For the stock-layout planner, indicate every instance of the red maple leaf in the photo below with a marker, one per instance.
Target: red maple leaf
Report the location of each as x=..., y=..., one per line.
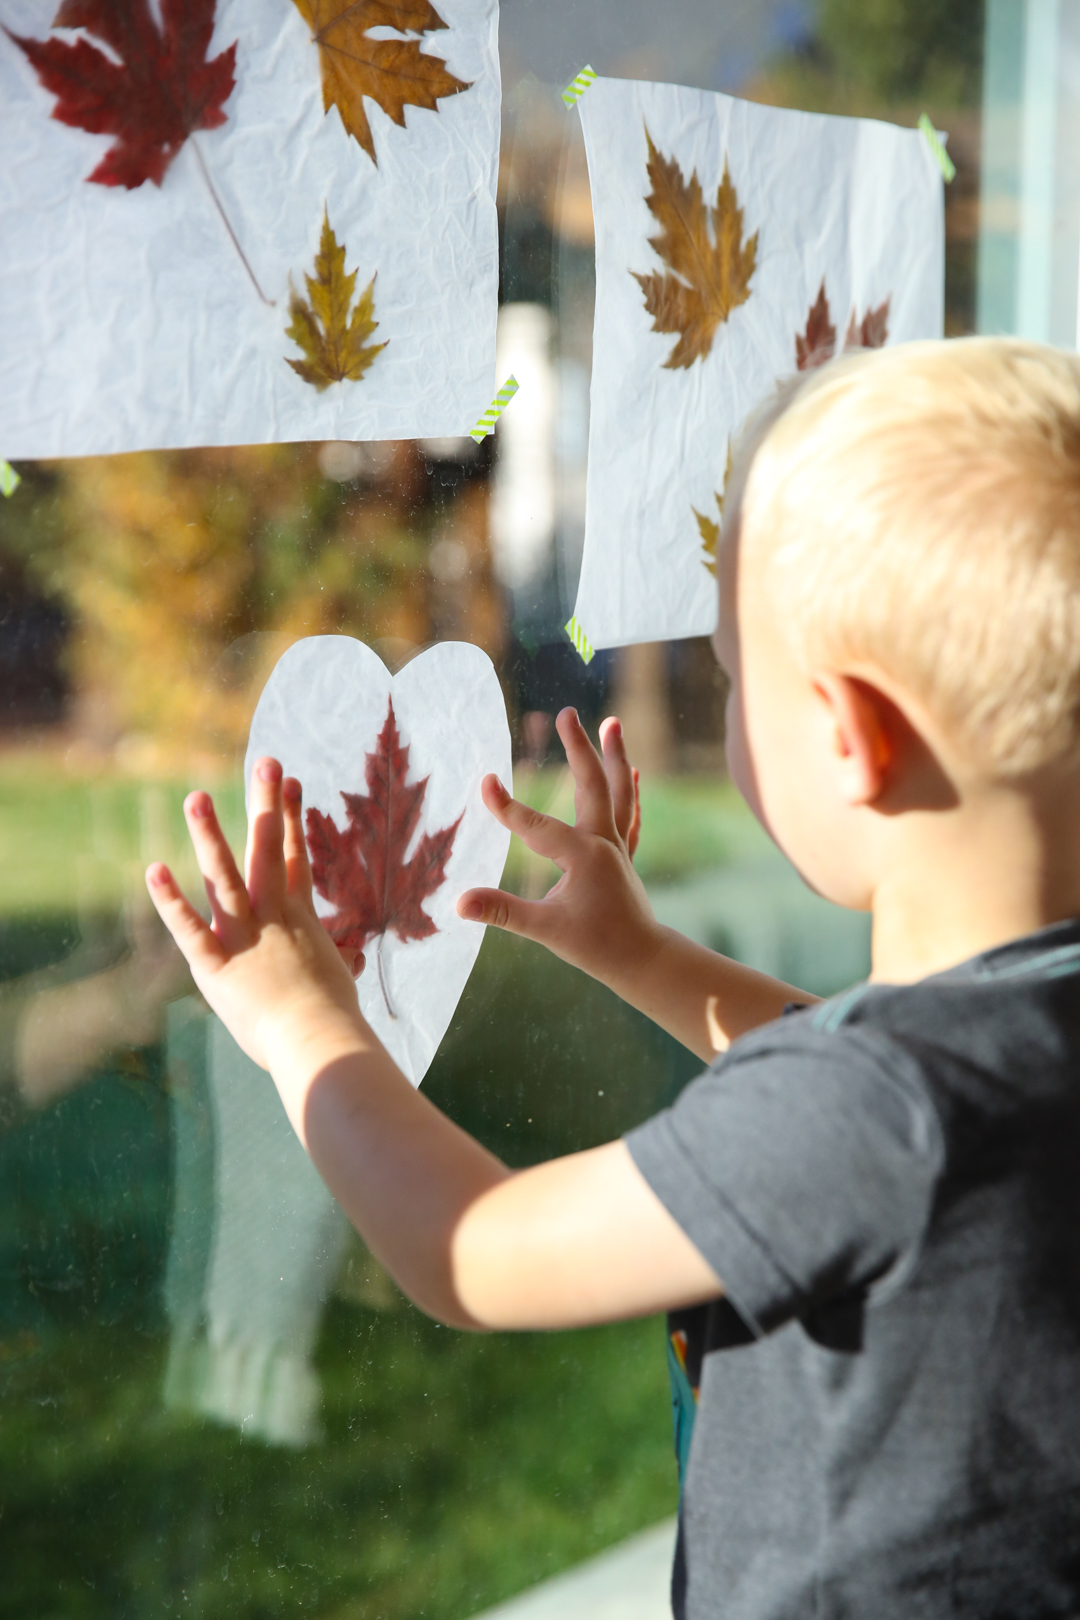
x=817, y=344
x=362, y=869
x=160, y=91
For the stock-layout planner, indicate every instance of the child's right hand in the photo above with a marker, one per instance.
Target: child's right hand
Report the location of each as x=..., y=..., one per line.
x=597, y=916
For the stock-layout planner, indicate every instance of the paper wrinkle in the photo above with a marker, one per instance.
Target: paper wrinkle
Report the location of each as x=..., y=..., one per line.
x=320, y=714
x=855, y=201
x=130, y=320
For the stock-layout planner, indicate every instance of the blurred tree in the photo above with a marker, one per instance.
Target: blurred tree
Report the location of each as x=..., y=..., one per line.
x=901, y=48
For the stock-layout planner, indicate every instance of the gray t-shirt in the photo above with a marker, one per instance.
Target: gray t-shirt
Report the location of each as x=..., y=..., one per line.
x=888, y=1397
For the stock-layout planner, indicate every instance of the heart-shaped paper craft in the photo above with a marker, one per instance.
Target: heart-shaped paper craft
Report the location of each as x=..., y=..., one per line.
x=330, y=706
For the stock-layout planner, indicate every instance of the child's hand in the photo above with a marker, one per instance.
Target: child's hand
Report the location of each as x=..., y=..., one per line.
x=597, y=916
x=265, y=963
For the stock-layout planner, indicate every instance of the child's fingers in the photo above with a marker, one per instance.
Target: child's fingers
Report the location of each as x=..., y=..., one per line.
x=620, y=774
x=544, y=835
x=634, y=830
x=266, y=879
x=530, y=918
x=592, y=798
x=224, y=885
x=297, y=864
x=199, y=944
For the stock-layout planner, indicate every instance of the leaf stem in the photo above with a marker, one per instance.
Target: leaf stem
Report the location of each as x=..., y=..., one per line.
x=269, y=302
x=382, y=980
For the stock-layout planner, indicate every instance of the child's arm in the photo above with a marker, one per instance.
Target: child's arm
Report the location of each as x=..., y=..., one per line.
x=598, y=916
x=578, y=1240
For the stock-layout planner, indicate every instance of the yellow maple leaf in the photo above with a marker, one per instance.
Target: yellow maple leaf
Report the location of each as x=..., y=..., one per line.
x=394, y=72
x=710, y=531
x=709, y=264
x=334, y=343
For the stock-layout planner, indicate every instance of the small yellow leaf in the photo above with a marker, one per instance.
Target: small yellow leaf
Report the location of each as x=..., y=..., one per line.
x=709, y=264
x=395, y=73
x=334, y=342
x=710, y=530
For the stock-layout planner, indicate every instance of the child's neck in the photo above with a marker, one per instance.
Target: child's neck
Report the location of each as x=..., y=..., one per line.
x=1002, y=864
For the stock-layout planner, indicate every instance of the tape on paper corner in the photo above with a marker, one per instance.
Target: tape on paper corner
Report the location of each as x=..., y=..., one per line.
x=502, y=399
x=937, y=147
x=9, y=478
x=581, y=641
x=577, y=87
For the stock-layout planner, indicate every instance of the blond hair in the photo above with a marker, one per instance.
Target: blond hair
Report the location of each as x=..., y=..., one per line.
x=918, y=509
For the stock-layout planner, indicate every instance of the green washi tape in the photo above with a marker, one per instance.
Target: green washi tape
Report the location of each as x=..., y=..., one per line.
x=937, y=146
x=9, y=478
x=577, y=87
x=581, y=641
x=502, y=399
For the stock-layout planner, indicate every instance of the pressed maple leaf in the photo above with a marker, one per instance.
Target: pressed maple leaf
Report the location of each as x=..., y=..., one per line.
x=334, y=342
x=708, y=529
x=871, y=332
x=709, y=264
x=160, y=90
x=395, y=73
x=817, y=344
x=361, y=868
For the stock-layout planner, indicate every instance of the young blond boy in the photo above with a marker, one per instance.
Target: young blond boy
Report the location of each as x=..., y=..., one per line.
x=865, y=1216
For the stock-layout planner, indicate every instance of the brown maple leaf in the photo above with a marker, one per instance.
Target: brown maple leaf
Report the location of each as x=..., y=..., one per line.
x=710, y=531
x=872, y=331
x=362, y=869
x=334, y=342
x=396, y=73
x=150, y=86
x=817, y=344
x=709, y=264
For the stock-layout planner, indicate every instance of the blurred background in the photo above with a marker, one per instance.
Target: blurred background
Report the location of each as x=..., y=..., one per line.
x=212, y=1401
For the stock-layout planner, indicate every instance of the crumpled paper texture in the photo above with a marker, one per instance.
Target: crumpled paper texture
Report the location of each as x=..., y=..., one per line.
x=320, y=714
x=855, y=201
x=129, y=320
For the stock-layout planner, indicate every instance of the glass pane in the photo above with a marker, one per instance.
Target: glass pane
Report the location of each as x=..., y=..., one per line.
x=212, y=1400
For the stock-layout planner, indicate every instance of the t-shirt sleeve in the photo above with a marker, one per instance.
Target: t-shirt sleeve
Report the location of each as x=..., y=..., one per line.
x=802, y=1165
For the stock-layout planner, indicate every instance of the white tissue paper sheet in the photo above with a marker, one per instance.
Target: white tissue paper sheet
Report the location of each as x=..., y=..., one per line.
x=130, y=321
x=321, y=714
x=848, y=203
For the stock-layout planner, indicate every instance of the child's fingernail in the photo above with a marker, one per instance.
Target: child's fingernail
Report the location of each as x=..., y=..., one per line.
x=199, y=805
x=472, y=911
x=269, y=770
x=157, y=874
x=500, y=789
x=292, y=790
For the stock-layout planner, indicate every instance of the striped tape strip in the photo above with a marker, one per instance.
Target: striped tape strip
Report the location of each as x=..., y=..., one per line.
x=9, y=478
x=937, y=146
x=502, y=399
x=580, y=640
x=577, y=87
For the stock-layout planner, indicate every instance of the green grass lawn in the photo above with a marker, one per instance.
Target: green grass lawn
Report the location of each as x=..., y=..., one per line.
x=454, y=1470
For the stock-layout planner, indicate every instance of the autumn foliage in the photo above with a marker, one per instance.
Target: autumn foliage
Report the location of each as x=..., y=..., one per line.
x=817, y=344
x=333, y=340
x=160, y=90
x=394, y=73
x=361, y=868
x=709, y=265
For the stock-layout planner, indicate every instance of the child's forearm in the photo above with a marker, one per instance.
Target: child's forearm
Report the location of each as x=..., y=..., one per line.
x=703, y=999
x=402, y=1171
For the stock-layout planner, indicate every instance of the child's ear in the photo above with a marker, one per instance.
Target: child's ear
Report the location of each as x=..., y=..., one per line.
x=865, y=728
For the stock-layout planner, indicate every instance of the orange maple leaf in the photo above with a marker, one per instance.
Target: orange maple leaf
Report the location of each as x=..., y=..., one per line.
x=393, y=72
x=709, y=264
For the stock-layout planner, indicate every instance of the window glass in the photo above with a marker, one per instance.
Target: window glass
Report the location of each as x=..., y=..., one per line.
x=212, y=1400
